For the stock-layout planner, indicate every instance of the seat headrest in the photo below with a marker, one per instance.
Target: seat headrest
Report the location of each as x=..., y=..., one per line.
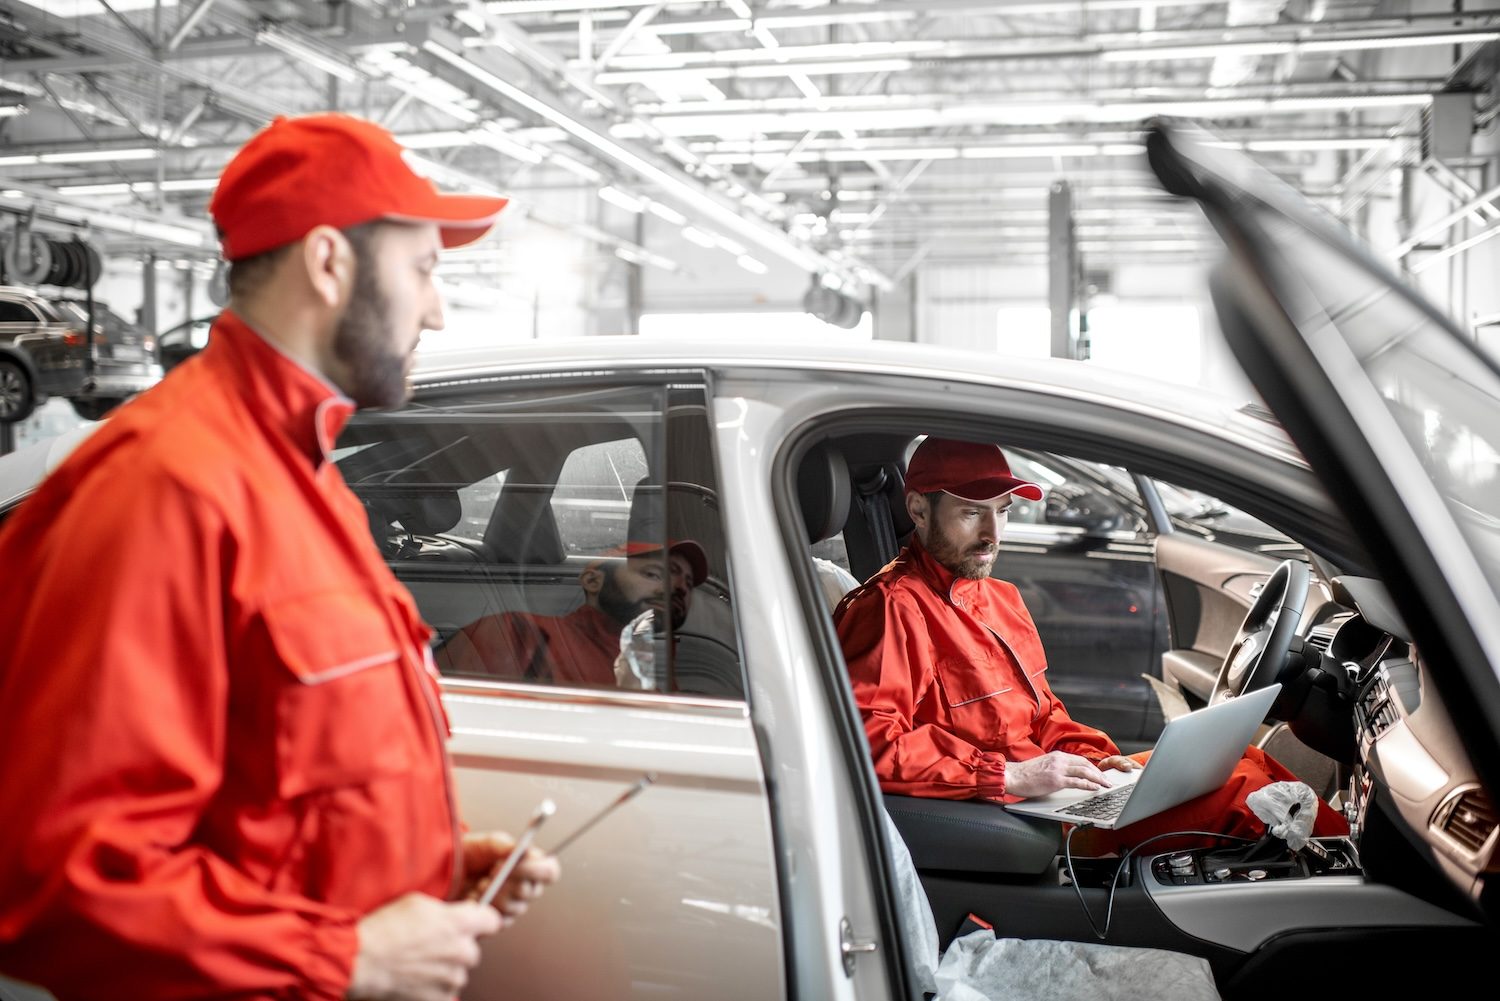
x=430, y=512
x=823, y=491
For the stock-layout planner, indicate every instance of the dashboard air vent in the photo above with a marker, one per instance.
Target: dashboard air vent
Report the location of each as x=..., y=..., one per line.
x=1468, y=818
x=1379, y=710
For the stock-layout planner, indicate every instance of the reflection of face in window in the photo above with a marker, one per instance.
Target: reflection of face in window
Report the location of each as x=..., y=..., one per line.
x=635, y=585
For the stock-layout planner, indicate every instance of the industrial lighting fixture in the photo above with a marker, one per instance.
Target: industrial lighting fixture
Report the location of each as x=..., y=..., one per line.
x=792, y=55
x=620, y=199
x=694, y=235
x=12, y=110
x=305, y=50
x=829, y=68
x=97, y=155
x=1289, y=46
x=667, y=213
x=681, y=188
x=140, y=187
x=751, y=265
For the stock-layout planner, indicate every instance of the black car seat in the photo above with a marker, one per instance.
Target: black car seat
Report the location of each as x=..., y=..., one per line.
x=878, y=523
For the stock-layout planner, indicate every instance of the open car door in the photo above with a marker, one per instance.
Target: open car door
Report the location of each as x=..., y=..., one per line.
x=1396, y=410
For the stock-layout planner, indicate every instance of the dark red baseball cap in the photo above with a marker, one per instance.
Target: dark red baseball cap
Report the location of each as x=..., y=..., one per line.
x=334, y=170
x=970, y=470
x=689, y=550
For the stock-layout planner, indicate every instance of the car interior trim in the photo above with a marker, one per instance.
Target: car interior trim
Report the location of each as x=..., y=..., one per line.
x=1244, y=917
x=675, y=704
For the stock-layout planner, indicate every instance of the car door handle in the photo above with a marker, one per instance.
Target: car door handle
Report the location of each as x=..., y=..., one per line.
x=1255, y=589
x=852, y=947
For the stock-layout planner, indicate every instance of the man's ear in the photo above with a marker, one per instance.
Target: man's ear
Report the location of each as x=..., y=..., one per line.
x=591, y=580
x=328, y=262
x=918, y=509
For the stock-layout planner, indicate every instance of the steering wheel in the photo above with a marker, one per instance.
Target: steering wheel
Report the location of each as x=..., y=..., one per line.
x=1259, y=652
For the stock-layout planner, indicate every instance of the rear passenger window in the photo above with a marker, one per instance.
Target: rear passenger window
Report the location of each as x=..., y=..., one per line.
x=592, y=499
x=568, y=537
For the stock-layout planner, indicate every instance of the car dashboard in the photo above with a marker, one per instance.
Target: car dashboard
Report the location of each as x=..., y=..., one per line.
x=1409, y=758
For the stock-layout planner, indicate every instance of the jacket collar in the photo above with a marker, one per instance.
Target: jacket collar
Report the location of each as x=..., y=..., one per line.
x=938, y=577
x=283, y=393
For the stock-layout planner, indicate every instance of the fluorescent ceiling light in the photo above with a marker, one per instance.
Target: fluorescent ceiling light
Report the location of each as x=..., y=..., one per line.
x=310, y=52
x=831, y=68
x=694, y=235
x=618, y=198
x=141, y=187
x=751, y=265
x=667, y=213
x=12, y=110
x=556, y=6
x=98, y=155
x=494, y=136
x=793, y=55
x=21, y=160
x=682, y=188
x=1297, y=145
x=434, y=140
x=737, y=249
x=1289, y=46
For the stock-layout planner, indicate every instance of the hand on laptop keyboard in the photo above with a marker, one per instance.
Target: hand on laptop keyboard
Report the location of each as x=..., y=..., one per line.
x=1052, y=771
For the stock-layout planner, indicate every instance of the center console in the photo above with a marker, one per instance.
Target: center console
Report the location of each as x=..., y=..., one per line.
x=1204, y=866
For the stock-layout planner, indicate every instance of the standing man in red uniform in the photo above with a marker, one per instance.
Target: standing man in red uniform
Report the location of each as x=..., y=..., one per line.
x=225, y=763
x=951, y=679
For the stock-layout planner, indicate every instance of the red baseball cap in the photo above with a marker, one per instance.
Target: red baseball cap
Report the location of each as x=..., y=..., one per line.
x=334, y=170
x=689, y=550
x=969, y=470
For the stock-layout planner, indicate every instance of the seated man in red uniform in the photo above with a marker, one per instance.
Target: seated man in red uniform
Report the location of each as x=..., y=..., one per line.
x=580, y=648
x=950, y=676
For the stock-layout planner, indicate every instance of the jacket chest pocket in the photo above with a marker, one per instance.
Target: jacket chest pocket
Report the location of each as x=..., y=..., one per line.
x=344, y=712
x=985, y=697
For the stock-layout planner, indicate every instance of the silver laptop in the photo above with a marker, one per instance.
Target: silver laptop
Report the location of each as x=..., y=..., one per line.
x=1195, y=754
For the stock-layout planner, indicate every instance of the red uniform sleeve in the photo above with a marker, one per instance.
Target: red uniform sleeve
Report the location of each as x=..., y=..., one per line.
x=506, y=645
x=114, y=690
x=889, y=656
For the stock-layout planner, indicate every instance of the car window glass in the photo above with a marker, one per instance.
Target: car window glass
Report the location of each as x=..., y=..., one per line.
x=15, y=312
x=592, y=500
x=566, y=537
x=1030, y=512
x=1210, y=518
x=1443, y=392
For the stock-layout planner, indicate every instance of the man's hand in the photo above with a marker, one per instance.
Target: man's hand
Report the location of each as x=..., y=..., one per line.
x=531, y=877
x=1119, y=762
x=1052, y=771
x=418, y=948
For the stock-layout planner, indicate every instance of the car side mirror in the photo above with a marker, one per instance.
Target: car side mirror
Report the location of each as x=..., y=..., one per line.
x=1080, y=507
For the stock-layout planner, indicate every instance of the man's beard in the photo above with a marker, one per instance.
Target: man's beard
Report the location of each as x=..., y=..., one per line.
x=364, y=338
x=612, y=602
x=962, y=562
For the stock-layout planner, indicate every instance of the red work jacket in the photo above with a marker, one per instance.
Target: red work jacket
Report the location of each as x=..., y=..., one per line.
x=574, y=649
x=223, y=743
x=951, y=680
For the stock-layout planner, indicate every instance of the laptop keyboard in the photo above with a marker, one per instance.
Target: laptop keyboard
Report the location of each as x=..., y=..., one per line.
x=1104, y=806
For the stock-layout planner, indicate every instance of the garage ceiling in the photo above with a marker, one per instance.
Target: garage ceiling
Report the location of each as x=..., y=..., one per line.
x=857, y=138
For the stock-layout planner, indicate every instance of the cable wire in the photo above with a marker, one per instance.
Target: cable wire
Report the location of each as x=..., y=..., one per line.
x=1114, y=883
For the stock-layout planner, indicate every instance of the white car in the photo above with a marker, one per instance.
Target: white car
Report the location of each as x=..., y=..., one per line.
x=754, y=866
